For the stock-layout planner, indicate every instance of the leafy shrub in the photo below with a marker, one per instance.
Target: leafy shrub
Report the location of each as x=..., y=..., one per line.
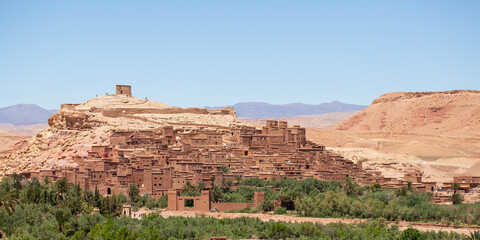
x=280, y=211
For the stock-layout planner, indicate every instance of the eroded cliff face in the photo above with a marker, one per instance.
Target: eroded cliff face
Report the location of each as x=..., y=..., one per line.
x=75, y=128
x=452, y=113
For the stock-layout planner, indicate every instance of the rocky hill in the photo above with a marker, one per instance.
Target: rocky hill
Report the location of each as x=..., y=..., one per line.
x=266, y=110
x=437, y=133
x=450, y=113
x=76, y=127
x=25, y=114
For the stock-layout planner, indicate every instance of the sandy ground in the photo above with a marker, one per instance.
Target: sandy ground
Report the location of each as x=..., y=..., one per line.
x=297, y=219
x=30, y=130
x=8, y=140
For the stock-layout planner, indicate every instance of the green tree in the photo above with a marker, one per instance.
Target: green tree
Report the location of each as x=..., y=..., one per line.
x=111, y=206
x=212, y=179
x=76, y=201
x=457, y=198
x=280, y=210
x=17, y=181
x=32, y=192
x=8, y=199
x=61, y=188
x=200, y=186
x=287, y=199
x=279, y=230
x=97, y=198
x=88, y=195
x=455, y=187
x=216, y=194
x=475, y=235
x=190, y=190
x=411, y=234
x=267, y=205
x=225, y=185
x=238, y=179
x=133, y=192
x=349, y=186
x=61, y=215
x=375, y=187
x=46, y=181
x=225, y=169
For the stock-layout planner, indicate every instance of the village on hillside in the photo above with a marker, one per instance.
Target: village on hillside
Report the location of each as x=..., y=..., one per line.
x=162, y=161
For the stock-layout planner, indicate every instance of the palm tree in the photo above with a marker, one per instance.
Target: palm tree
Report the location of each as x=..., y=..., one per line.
x=216, y=194
x=17, y=181
x=46, y=181
x=225, y=185
x=474, y=236
x=61, y=215
x=133, y=191
x=76, y=200
x=200, y=186
x=8, y=199
x=212, y=178
x=238, y=179
x=455, y=187
x=225, y=170
x=349, y=186
x=61, y=187
x=457, y=198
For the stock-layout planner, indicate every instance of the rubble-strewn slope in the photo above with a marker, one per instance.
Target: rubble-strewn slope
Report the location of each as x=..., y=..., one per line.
x=76, y=127
x=452, y=113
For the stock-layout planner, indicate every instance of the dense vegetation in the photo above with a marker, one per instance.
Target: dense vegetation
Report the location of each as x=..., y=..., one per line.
x=33, y=209
x=314, y=198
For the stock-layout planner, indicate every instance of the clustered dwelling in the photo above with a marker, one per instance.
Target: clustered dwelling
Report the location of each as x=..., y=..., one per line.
x=161, y=161
x=166, y=159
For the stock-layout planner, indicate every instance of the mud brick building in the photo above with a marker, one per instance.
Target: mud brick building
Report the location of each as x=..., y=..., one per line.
x=161, y=161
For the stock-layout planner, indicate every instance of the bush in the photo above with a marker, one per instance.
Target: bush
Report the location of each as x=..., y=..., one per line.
x=267, y=205
x=411, y=234
x=457, y=198
x=280, y=211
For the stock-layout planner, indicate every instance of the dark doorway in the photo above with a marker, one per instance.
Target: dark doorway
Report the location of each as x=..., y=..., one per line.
x=189, y=203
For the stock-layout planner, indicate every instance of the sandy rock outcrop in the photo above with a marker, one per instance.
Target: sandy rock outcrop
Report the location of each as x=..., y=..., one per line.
x=75, y=128
x=450, y=113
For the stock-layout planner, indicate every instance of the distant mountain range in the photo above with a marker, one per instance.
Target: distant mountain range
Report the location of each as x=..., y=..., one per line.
x=262, y=110
x=28, y=114
x=25, y=114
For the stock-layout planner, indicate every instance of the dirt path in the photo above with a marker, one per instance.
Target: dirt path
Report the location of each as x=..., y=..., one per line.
x=296, y=219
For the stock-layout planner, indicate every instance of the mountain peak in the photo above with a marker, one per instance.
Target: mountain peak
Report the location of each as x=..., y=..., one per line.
x=25, y=114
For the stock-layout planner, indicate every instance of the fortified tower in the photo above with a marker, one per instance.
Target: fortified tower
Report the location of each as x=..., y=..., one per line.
x=124, y=90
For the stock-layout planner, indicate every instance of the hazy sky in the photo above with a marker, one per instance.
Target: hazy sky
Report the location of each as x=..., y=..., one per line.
x=198, y=53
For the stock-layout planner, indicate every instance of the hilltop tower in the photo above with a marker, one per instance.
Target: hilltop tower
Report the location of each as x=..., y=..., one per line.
x=124, y=90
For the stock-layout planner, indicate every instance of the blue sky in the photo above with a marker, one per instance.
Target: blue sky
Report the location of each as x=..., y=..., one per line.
x=199, y=53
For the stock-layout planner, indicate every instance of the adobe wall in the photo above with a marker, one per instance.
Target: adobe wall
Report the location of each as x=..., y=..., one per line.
x=204, y=204
x=124, y=90
x=177, y=203
x=231, y=206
